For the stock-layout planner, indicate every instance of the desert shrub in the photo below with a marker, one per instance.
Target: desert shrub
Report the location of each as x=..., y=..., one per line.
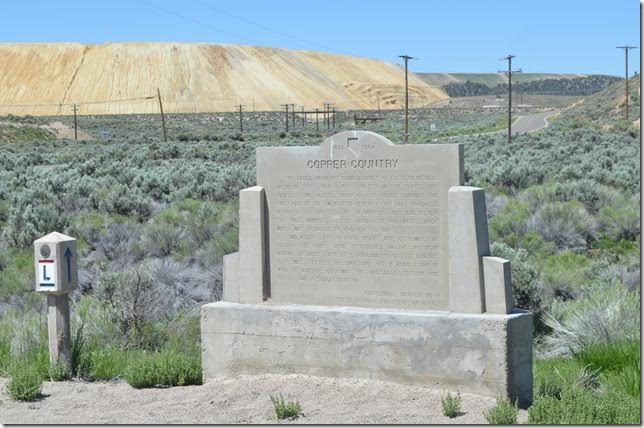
x=285, y=409
x=116, y=240
x=564, y=273
x=163, y=369
x=27, y=222
x=161, y=239
x=182, y=284
x=567, y=224
x=25, y=384
x=605, y=315
x=525, y=291
x=125, y=200
x=621, y=220
x=451, y=405
x=134, y=302
x=509, y=224
x=591, y=194
x=579, y=405
x=59, y=370
x=502, y=413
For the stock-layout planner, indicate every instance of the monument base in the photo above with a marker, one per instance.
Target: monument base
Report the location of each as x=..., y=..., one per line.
x=485, y=354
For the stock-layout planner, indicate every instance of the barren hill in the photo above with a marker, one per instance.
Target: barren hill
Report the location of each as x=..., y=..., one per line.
x=193, y=77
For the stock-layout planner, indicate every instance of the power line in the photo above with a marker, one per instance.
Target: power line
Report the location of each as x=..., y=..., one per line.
x=194, y=21
x=79, y=103
x=262, y=26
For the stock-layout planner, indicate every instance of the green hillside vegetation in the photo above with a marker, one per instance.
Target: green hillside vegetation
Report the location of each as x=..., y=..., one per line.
x=562, y=86
x=488, y=79
x=12, y=133
x=153, y=220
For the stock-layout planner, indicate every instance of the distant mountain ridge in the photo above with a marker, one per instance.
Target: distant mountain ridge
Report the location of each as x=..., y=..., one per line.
x=473, y=84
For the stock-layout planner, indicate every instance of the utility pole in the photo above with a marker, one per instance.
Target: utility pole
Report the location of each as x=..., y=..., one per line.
x=286, y=107
x=406, y=58
x=165, y=135
x=333, y=117
x=75, y=125
x=317, y=122
x=626, y=49
x=241, y=118
x=303, y=116
x=326, y=107
x=509, y=74
x=293, y=115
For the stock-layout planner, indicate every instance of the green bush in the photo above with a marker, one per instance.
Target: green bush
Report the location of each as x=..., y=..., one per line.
x=502, y=413
x=564, y=274
x=525, y=291
x=621, y=220
x=451, y=405
x=59, y=371
x=163, y=369
x=286, y=409
x=612, y=356
x=605, y=315
x=566, y=224
x=583, y=406
x=25, y=384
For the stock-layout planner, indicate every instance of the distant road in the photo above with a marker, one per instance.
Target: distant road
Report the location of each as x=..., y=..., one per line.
x=532, y=122
x=522, y=125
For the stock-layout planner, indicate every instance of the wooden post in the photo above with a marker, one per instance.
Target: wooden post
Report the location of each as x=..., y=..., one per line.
x=317, y=121
x=58, y=328
x=165, y=136
x=286, y=117
x=293, y=115
x=241, y=118
x=75, y=125
x=302, y=116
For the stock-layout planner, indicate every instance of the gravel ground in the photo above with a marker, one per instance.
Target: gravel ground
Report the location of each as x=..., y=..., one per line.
x=240, y=399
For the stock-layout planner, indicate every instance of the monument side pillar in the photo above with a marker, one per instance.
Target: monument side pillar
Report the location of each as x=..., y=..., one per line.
x=252, y=275
x=468, y=243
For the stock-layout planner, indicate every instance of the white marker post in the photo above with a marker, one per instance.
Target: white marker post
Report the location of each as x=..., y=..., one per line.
x=57, y=275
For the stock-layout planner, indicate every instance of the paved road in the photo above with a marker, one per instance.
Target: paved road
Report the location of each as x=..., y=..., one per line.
x=531, y=122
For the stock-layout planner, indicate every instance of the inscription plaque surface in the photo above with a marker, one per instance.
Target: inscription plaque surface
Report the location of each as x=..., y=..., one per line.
x=359, y=221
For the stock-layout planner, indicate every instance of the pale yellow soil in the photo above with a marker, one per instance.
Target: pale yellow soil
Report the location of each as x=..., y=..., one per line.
x=193, y=77
x=240, y=399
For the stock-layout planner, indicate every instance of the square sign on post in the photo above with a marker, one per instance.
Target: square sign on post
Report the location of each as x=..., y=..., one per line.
x=56, y=264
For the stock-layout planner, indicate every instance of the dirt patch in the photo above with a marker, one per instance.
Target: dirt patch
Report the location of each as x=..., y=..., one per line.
x=62, y=131
x=241, y=399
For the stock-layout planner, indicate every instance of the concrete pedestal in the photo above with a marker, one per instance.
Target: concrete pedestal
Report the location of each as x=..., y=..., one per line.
x=486, y=354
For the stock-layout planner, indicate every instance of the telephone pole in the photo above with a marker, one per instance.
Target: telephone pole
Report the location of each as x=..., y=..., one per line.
x=241, y=117
x=286, y=109
x=406, y=58
x=293, y=115
x=317, y=122
x=75, y=125
x=509, y=74
x=165, y=136
x=626, y=49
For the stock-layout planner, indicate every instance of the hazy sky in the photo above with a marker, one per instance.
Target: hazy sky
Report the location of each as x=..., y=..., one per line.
x=560, y=36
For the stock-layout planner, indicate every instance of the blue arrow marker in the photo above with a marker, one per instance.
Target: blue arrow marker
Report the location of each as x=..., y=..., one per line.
x=68, y=256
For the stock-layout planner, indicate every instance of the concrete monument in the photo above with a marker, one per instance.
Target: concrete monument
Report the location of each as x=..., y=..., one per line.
x=361, y=258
